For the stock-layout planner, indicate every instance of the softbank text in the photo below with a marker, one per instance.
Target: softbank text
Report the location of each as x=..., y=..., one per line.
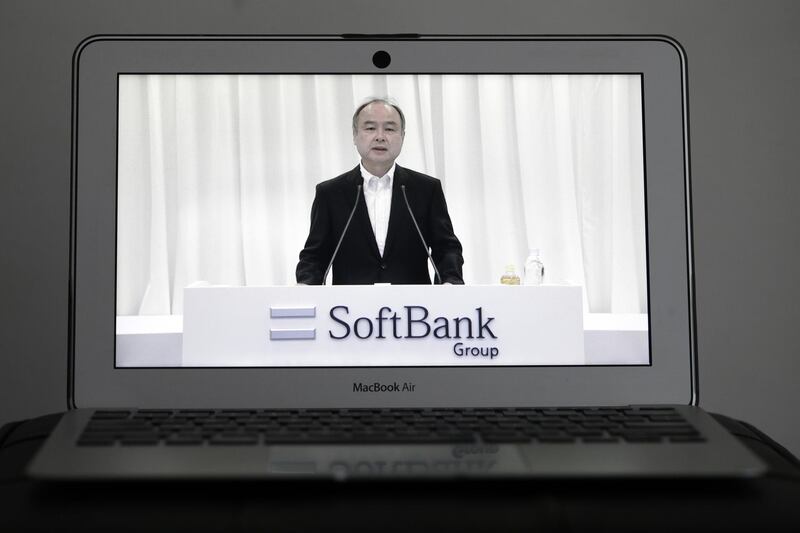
x=413, y=322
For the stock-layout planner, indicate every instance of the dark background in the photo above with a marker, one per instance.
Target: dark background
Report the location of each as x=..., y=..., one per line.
x=744, y=76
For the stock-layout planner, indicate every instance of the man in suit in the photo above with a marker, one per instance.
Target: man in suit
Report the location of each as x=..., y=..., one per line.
x=382, y=244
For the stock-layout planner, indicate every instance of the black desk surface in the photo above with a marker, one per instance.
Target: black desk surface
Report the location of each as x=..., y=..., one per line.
x=770, y=503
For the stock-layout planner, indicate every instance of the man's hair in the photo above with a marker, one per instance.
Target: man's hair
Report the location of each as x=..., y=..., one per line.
x=386, y=101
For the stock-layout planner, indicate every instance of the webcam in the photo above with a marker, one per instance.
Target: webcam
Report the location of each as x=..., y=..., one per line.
x=381, y=59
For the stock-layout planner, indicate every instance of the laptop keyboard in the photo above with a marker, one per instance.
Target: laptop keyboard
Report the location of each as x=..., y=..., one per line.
x=252, y=427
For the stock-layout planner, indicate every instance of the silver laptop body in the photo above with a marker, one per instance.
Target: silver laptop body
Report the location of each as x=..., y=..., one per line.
x=113, y=369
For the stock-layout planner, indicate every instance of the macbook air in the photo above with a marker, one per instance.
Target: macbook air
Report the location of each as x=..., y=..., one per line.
x=368, y=256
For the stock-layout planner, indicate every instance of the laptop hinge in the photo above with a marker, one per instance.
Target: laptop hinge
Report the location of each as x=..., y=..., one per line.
x=379, y=36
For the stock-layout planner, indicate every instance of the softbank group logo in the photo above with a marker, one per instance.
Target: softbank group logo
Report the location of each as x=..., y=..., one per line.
x=282, y=316
x=410, y=322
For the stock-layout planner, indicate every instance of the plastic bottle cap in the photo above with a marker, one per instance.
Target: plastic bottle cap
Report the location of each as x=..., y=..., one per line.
x=510, y=268
x=534, y=252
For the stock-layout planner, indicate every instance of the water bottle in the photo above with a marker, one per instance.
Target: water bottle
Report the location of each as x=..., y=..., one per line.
x=534, y=269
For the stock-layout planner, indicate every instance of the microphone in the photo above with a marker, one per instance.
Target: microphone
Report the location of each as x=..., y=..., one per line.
x=341, y=238
x=424, y=244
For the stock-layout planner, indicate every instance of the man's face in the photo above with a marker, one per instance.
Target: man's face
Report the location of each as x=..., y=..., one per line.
x=378, y=138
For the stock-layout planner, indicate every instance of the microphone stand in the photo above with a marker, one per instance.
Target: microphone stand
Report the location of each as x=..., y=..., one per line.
x=341, y=238
x=424, y=244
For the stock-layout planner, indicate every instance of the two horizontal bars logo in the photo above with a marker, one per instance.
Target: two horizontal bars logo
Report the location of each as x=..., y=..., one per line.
x=276, y=334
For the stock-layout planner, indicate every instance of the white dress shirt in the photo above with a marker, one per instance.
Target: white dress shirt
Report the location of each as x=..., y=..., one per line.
x=378, y=195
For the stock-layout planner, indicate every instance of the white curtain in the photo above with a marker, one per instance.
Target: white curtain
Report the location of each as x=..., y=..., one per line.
x=217, y=173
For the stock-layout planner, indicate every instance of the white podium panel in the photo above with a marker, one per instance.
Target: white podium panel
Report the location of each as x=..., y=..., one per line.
x=398, y=325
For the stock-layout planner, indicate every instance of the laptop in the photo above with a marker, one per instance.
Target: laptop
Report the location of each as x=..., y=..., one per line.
x=558, y=164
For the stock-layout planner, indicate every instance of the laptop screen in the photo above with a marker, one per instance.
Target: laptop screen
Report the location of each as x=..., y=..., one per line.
x=521, y=196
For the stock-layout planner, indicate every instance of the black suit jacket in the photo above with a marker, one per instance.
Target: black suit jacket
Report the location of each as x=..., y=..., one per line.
x=404, y=259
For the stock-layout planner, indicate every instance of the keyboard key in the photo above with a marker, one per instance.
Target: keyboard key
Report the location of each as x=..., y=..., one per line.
x=640, y=438
x=600, y=412
x=555, y=423
x=275, y=438
x=627, y=418
x=586, y=432
x=502, y=438
x=139, y=440
x=497, y=435
x=232, y=439
x=181, y=440
x=152, y=414
x=560, y=412
x=558, y=439
x=600, y=440
x=327, y=437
